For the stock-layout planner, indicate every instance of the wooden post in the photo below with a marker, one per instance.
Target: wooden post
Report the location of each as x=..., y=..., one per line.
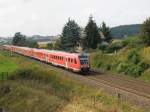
x=119, y=98
x=6, y=75
x=2, y=75
x=1, y=109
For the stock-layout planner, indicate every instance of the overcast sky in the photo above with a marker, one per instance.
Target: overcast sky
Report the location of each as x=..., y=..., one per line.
x=47, y=17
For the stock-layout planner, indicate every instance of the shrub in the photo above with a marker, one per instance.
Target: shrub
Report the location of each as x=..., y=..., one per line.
x=134, y=70
x=133, y=66
x=122, y=67
x=114, y=47
x=134, y=57
x=21, y=73
x=103, y=46
x=58, y=83
x=134, y=41
x=130, y=69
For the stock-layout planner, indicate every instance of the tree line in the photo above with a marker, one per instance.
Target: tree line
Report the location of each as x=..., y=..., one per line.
x=21, y=40
x=93, y=37
x=74, y=37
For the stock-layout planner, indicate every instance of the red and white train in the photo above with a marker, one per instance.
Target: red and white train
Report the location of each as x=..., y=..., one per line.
x=77, y=62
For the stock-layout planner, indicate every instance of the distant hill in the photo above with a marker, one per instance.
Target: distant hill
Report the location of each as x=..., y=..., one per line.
x=40, y=38
x=5, y=40
x=125, y=30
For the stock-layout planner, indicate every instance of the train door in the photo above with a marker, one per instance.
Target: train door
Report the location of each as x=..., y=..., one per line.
x=66, y=62
x=46, y=55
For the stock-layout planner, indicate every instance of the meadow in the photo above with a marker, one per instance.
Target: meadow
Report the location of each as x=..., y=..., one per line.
x=35, y=88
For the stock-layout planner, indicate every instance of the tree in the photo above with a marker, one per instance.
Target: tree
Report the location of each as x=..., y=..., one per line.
x=19, y=39
x=31, y=43
x=70, y=36
x=50, y=46
x=146, y=32
x=92, y=36
x=106, y=32
x=57, y=45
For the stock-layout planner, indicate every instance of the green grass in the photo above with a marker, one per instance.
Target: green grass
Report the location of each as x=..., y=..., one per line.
x=36, y=88
x=7, y=63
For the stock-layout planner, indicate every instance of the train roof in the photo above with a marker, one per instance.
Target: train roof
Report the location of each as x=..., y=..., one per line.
x=60, y=52
x=50, y=51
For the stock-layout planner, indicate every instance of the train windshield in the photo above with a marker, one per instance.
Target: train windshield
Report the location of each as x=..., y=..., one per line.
x=83, y=59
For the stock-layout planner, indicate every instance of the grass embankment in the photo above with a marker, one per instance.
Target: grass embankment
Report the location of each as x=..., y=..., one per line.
x=133, y=62
x=35, y=88
x=7, y=64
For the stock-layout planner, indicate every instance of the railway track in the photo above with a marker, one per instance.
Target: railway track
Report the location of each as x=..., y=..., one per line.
x=125, y=85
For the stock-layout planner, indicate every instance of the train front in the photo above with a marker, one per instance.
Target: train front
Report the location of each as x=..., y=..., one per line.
x=84, y=62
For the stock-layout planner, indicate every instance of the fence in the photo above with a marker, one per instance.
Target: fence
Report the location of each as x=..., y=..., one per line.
x=4, y=76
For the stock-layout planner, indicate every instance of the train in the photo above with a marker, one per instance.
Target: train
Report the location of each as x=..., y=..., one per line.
x=76, y=62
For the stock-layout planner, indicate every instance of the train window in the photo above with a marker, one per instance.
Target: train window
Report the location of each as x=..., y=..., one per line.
x=75, y=61
x=68, y=59
x=71, y=60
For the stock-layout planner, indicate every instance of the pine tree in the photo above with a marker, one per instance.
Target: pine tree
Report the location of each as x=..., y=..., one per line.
x=70, y=36
x=146, y=32
x=92, y=36
x=106, y=32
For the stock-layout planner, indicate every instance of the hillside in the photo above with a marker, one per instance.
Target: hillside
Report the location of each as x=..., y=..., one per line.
x=125, y=30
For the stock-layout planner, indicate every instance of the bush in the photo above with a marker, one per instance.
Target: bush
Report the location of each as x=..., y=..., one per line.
x=134, y=41
x=114, y=47
x=133, y=66
x=134, y=57
x=130, y=69
x=58, y=83
x=122, y=67
x=103, y=46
